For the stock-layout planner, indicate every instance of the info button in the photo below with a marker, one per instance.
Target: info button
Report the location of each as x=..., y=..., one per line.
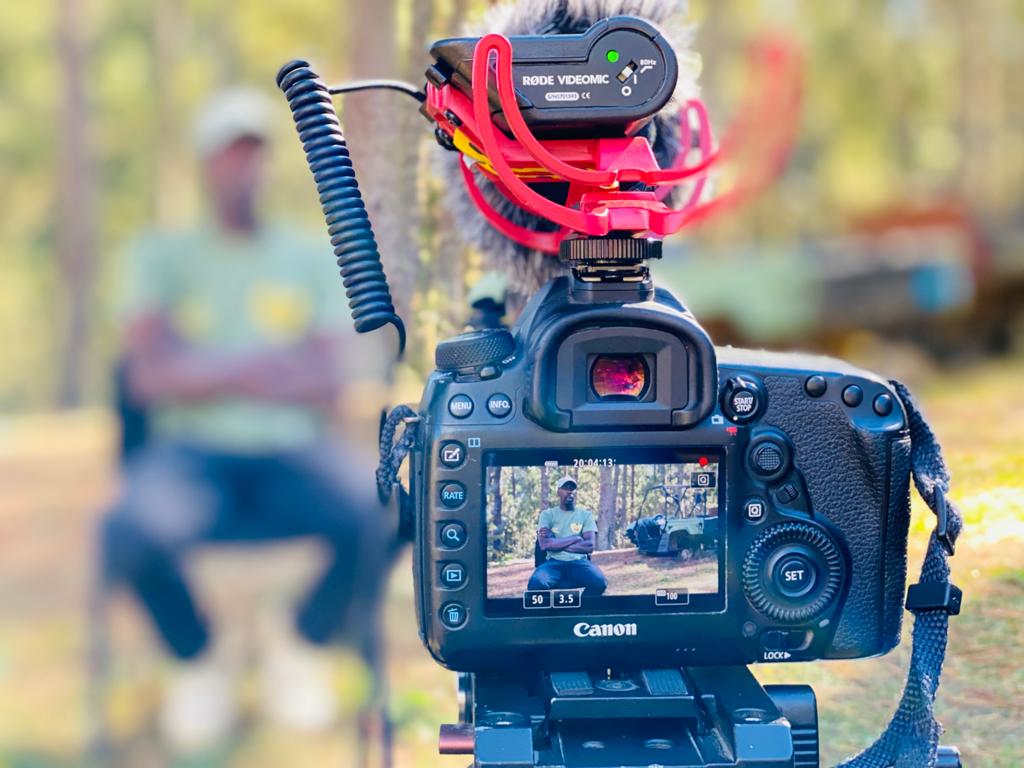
x=499, y=405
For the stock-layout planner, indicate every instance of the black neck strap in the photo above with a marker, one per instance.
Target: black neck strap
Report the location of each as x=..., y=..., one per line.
x=911, y=740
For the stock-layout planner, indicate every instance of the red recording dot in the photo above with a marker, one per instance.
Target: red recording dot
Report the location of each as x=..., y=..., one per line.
x=703, y=461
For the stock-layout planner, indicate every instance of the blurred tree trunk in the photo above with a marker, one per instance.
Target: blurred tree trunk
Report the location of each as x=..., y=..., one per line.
x=631, y=504
x=173, y=179
x=449, y=255
x=76, y=240
x=545, y=493
x=984, y=101
x=497, y=518
x=380, y=148
x=605, y=507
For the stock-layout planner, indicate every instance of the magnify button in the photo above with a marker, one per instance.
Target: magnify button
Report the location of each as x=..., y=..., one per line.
x=453, y=535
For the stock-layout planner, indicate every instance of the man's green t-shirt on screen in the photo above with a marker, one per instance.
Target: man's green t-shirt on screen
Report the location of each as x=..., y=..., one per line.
x=230, y=294
x=564, y=523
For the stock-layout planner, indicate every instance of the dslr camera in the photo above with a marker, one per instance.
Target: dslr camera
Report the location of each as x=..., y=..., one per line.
x=611, y=516
x=783, y=537
x=780, y=530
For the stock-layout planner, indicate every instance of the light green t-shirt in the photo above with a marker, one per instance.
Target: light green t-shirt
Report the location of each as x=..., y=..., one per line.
x=232, y=293
x=564, y=523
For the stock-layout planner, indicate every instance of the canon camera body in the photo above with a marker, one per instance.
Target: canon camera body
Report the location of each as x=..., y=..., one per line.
x=741, y=506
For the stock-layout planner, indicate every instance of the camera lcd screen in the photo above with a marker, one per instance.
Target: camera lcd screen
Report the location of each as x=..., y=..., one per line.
x=633, y=531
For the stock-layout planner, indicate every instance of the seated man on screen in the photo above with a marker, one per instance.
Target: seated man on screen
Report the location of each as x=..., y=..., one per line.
x=566, y=534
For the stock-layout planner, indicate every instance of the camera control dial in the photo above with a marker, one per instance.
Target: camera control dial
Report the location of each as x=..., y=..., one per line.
x=474, y=349
x=793, y=572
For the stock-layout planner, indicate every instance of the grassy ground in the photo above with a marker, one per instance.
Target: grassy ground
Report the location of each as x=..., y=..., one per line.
x=55, y=473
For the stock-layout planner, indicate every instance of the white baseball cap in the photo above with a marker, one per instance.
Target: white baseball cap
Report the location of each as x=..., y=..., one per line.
x=564, y=480
x=231, y=115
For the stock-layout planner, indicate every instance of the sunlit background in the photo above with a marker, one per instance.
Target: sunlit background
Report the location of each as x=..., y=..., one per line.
x=895, y=237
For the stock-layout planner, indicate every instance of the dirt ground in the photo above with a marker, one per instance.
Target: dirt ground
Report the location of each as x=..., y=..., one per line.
x=56, y=472
x=628, y=573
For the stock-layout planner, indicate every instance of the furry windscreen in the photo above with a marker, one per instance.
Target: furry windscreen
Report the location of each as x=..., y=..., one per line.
x=525, y=269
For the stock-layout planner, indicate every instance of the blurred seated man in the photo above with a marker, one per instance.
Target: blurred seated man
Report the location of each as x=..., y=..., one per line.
x=236, y=333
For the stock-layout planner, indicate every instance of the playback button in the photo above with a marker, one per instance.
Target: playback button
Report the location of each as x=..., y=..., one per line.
x=453, y=576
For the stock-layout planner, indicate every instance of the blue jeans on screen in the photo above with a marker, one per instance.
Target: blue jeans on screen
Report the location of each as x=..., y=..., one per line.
x=178, y=497
x=558, y=574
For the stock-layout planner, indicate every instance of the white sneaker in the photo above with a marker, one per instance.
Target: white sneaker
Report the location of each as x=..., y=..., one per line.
x=297, y=684
x=199, y=707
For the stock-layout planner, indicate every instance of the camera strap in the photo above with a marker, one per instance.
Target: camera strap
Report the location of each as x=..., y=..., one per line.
x=912, y=737
x=393, y=450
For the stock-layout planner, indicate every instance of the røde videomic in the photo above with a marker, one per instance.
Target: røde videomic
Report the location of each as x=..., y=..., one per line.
x=611, y=516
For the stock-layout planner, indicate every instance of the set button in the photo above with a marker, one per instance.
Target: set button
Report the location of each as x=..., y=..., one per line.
x=453, y=495
x=460, y=406
x=795, y=575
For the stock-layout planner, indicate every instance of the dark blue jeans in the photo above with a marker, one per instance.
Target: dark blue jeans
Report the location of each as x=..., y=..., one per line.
x=177, y=497
x=556, y=574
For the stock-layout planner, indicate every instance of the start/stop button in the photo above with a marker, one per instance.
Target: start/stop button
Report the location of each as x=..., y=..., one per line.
x=742, y=399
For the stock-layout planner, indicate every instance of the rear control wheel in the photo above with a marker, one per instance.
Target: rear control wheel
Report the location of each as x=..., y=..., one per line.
x=793, y=572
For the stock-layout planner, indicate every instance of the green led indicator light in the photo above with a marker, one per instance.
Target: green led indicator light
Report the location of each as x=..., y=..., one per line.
x=613, y=56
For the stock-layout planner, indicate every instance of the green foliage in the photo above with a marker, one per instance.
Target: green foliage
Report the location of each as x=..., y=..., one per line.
x=905, y=100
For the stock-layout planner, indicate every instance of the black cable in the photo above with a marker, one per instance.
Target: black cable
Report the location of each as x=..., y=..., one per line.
x=348, y=224
x=388, y=85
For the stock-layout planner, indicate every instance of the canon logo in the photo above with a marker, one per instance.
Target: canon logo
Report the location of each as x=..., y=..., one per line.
x=604, y=630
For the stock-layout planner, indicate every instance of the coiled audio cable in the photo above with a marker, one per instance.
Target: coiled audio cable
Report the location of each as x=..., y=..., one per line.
x=348, y=224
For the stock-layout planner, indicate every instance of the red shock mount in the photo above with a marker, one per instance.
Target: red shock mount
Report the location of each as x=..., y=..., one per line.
x=597, y=168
